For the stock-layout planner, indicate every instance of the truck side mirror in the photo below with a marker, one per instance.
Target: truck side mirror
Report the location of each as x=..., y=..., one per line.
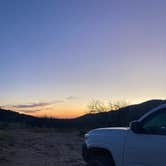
x=136, y=126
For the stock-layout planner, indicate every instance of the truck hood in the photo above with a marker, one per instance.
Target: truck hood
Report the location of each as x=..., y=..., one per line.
x=104, y=131
x=106, y=137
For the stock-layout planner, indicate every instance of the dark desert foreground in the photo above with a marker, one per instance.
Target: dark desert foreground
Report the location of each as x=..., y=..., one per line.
x=40, y=147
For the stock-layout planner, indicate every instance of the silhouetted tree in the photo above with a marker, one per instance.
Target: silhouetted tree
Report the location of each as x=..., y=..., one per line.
x=114, y=106
x=97, y=106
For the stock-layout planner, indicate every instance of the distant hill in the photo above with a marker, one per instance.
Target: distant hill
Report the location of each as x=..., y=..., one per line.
x=121, y=117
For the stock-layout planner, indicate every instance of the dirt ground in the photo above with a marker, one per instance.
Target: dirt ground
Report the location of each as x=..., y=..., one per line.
x=38, y=147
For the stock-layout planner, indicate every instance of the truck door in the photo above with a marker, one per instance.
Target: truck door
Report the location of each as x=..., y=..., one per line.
x=147, y=148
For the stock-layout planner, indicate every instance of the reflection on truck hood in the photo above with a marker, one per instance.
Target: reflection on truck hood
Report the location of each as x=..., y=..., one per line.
x=108, y=130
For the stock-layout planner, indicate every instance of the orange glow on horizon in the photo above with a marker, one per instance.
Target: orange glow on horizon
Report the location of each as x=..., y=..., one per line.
x=62, y=112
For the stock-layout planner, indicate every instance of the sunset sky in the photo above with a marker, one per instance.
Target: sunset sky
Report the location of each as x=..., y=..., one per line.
x=58, y=55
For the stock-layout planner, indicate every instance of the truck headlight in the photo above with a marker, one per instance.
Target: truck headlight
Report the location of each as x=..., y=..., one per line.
x=86, y=136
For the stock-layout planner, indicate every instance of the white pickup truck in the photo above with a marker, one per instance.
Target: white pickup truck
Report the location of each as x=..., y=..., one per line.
x=141, y=144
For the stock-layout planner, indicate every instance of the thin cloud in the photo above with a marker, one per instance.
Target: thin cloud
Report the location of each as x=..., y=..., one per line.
x=31, y=105
x=58, y=101
x=34, y=105
x=72, y=98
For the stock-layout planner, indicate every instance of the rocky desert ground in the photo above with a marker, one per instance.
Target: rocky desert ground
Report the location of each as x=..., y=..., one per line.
x=40, y=147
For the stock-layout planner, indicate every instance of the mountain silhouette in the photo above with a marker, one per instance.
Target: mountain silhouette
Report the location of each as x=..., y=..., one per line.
x=121, y=117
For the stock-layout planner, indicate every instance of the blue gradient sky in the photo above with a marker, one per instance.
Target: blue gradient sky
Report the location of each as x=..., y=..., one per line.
x=74, y=50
